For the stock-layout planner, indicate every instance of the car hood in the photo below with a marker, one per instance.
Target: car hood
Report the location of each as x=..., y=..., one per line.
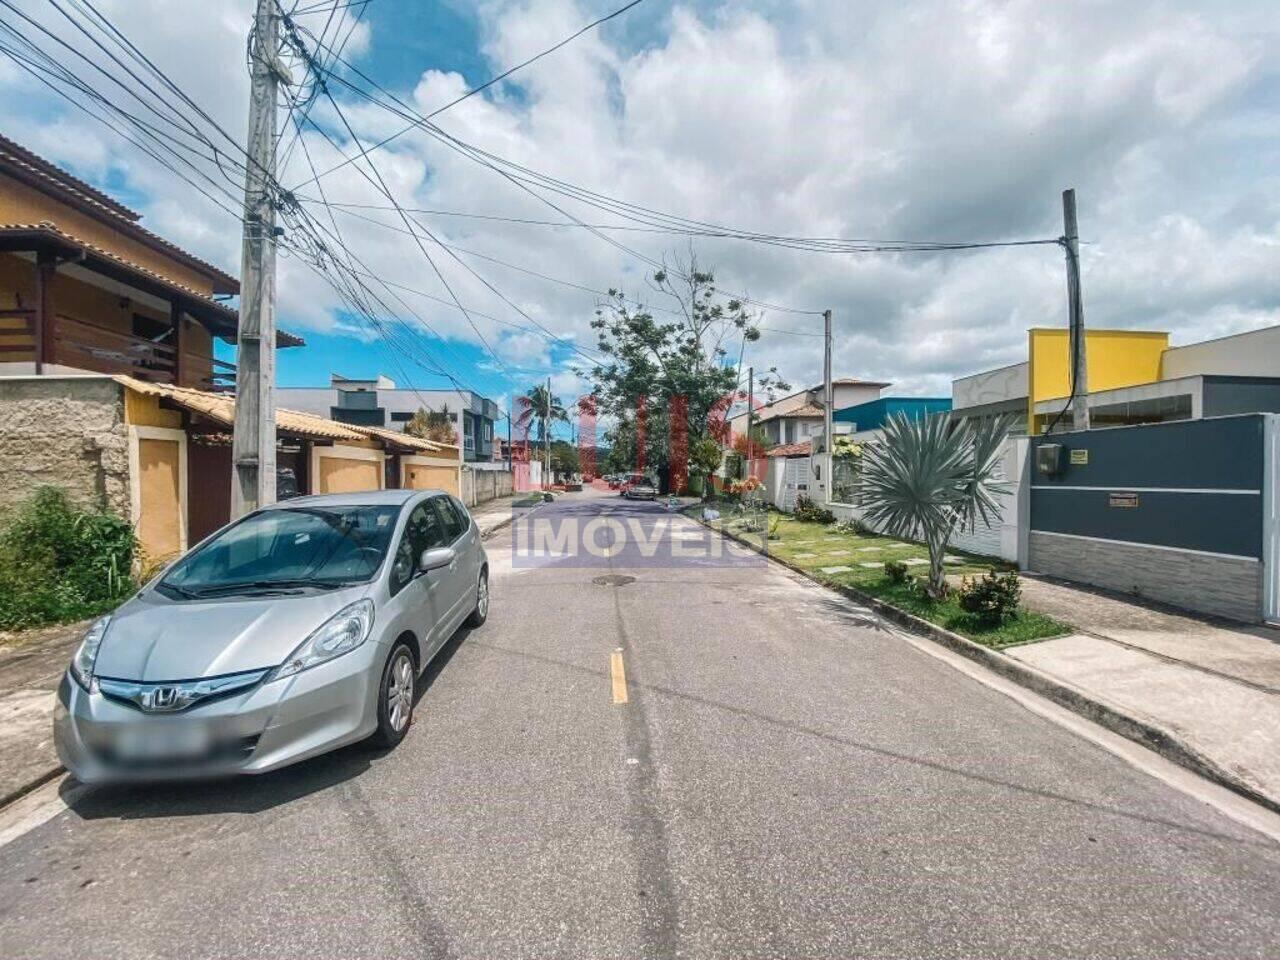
x=153, y=639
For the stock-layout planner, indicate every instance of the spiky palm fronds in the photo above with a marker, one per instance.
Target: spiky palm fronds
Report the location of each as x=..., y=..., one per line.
x=926, y=477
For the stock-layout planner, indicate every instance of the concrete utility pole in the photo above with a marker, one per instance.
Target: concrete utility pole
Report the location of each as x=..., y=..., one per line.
x=546, y=438
x=828, y=401
x=751, y=404
x=1075, y=313
x=253, y=445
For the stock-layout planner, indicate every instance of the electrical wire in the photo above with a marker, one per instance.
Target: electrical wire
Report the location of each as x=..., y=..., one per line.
x=490, y=82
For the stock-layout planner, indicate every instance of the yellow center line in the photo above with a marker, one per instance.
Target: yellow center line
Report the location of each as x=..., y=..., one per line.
x=619, y=677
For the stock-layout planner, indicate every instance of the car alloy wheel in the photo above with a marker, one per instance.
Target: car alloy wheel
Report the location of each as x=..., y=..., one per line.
x=481, y=611
x=400, y=692
x=395, y=697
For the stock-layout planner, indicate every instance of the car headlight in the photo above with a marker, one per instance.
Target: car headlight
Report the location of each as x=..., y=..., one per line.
x=341, y=633
x=87, y=654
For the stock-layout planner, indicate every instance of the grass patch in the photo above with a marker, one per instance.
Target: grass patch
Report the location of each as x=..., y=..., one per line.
x=813, y=546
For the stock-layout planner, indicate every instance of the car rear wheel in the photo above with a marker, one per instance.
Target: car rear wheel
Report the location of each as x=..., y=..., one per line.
x=396, y=694
x=481, y=612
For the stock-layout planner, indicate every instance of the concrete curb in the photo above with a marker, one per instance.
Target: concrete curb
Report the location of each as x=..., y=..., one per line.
x=1147, y=734
x=501, y=524
x=13, y=796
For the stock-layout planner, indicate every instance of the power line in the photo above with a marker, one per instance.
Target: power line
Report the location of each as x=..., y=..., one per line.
x=479, y=156
x=484, y=86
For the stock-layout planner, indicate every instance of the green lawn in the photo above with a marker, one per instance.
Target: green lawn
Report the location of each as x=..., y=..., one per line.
x=818, y=549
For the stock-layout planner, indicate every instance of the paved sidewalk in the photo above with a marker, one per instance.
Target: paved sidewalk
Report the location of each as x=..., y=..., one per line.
x=496, y=514
x=31, y=664
x=1213, y=686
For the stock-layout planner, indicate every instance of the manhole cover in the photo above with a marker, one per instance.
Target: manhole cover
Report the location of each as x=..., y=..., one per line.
x=613, y=580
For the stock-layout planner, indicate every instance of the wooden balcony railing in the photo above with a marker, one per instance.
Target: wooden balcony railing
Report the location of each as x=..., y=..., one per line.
x=79, y=343
x=17, y=335
x=87, y=346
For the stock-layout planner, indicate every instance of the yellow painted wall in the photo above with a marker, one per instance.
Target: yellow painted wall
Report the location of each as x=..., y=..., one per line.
x=1114, y=358
x=22, y=204
x=141, y=410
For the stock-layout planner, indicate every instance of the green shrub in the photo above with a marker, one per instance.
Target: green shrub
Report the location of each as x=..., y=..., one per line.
x=856, y=527
x=60, y=563
x=807, y=511
x=992, y=599
x=895, y=571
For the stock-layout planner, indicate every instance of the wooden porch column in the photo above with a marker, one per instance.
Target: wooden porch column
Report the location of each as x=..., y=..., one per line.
x=179, y=344
x=46, y=264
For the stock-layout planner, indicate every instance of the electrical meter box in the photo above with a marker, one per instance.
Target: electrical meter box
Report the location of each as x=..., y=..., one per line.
x=1049, y=459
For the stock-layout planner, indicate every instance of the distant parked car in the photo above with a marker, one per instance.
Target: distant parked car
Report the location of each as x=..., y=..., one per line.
x=614, y=481
x=642, y=489
x=302, y=627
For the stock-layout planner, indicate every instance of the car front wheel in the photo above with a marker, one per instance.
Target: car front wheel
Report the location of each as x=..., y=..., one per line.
x=396, y=694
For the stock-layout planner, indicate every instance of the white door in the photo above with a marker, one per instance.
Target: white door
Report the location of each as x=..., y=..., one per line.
x=795, y=479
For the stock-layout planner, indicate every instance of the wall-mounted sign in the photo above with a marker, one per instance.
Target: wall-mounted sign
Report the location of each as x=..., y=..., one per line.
x=1079, y=458
x=1123, y=500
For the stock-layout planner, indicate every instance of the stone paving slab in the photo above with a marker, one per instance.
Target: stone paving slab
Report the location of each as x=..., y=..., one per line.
x=836, y=569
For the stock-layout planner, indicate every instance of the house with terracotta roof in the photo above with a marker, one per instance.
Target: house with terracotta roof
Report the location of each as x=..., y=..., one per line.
x=797, y=417
x=84, y=287
x=109, y=388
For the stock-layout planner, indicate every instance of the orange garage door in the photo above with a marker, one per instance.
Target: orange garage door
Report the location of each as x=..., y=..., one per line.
x=160, y=502
x=429, y=477
x=340, y=475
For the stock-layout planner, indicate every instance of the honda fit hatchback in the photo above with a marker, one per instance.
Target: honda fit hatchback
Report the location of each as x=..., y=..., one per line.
x=297, y=629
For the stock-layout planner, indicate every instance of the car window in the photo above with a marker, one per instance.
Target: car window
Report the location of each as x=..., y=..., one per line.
x=462, y=513
x=324, y=546
x=422, y=531
x=450, y=522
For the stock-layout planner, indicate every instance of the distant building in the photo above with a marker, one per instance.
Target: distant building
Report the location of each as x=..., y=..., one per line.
x=799, y=416
x=378, y=402
x=1133, y=377
x=865, y=419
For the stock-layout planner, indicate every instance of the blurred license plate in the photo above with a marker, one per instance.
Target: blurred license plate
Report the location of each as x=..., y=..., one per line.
x=162, y=741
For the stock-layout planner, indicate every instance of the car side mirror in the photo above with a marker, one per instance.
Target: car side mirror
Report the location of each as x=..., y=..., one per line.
x=435, y=558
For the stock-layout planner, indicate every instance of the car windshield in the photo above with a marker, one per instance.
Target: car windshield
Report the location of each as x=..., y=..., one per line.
x=287, y=549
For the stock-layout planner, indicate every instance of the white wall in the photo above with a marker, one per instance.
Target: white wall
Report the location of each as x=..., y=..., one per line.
x=1005, y=538
x=1252, y=354
x=990, y=386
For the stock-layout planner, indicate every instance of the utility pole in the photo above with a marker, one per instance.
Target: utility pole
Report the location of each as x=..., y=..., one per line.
x=828, y=400
x=751, y=406
x=1075, y=315
x=546, y=439
x=253, y=444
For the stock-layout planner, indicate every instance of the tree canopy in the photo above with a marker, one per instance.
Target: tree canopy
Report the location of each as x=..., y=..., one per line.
x=668, y=381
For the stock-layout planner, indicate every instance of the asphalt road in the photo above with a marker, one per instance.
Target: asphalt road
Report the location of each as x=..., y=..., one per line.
x=785, y=778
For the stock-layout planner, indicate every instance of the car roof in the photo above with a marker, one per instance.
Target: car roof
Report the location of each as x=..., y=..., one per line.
x=355, y=499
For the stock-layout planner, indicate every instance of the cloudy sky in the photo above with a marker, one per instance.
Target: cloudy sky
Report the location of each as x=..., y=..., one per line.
x=932, y=121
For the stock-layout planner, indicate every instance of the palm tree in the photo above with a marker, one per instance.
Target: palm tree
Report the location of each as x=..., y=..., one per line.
x=541, y=406
x=929, y=476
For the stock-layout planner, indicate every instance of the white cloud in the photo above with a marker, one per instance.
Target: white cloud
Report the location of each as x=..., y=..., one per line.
x=921, y=120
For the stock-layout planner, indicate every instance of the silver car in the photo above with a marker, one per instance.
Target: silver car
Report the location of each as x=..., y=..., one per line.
x=641, y=489
x=295, y=630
